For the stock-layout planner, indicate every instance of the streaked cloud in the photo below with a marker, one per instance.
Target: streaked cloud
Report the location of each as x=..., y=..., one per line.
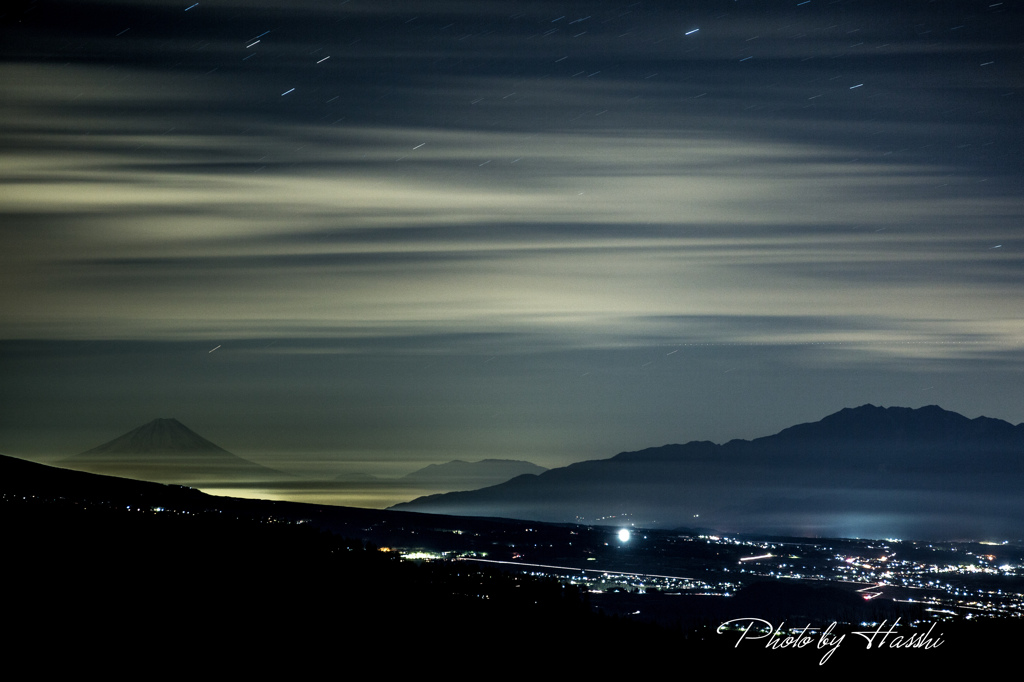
x=474, y=179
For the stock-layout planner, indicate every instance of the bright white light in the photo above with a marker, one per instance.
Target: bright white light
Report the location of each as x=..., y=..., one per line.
x=623, y=535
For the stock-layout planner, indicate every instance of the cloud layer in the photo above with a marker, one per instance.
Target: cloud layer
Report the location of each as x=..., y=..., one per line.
x=824, y=199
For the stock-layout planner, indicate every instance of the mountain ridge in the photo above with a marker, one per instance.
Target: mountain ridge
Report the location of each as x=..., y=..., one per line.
x=857, y=472
x=162, y=435
x=457, y=470
x=166, y=451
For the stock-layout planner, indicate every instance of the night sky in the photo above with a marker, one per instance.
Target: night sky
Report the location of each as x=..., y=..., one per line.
x=365, y=236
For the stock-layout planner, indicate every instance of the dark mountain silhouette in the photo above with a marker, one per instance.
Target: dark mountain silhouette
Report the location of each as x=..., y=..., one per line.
x=863, y=472
x=166, y=450
x=161, y=436
x=460, y=475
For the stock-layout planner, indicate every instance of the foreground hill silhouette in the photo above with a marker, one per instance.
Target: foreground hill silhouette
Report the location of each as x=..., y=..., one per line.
x=862, y=472
x=111, y=572
x=166, y=450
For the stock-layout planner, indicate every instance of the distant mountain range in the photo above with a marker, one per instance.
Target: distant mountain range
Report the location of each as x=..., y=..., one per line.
x=166, y=450
x=453, y=475
x=862, y=472
x=460, y=475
